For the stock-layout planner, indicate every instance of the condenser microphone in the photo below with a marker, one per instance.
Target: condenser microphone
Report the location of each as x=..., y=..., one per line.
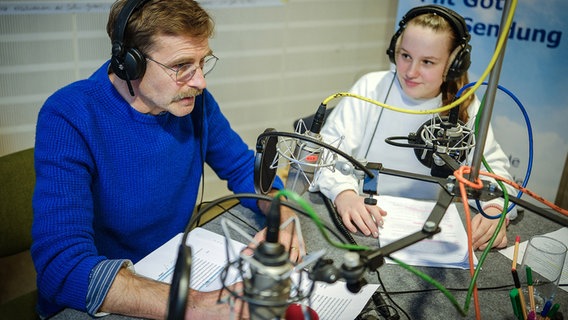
x=268, y=288
x=447, y=143
x=307, y=156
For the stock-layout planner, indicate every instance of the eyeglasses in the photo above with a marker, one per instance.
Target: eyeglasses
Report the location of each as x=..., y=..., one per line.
x=185, y=72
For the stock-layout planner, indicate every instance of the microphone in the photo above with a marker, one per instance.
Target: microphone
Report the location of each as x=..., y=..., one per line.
x=307, y=156
x=267, y=291
x=446, y=142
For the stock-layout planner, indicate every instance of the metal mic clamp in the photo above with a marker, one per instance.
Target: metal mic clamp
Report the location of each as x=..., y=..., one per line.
x=325, y=271
x=370, y=200
x=352, y=271
x=307, y=158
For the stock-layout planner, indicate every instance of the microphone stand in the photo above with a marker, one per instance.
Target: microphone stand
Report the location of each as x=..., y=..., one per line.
x=485, y=120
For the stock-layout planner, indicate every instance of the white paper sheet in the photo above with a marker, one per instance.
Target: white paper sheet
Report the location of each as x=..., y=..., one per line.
x=447, y=249
x=330, y=301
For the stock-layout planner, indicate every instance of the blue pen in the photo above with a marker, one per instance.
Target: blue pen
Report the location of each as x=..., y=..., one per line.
x=546, y=308
x=553, y=311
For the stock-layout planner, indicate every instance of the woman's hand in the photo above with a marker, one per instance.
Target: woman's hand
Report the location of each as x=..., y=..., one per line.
x=356, y=215
x=483, y=228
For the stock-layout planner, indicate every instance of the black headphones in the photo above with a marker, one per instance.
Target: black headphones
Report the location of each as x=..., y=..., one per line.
x=127, y=63
x=460, y=58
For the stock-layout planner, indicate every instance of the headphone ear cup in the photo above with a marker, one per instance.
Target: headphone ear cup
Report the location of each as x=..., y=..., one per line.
x=391, y=51
x=459, y=62
x=130, y=67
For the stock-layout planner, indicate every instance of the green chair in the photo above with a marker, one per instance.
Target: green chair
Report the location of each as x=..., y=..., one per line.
x=18, y=294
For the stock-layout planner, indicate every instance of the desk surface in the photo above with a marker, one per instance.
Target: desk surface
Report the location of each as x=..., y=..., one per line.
x=419, y=299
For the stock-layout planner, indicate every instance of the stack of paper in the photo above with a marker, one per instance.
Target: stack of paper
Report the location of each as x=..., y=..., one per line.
x=330, y=301
x=447, y=249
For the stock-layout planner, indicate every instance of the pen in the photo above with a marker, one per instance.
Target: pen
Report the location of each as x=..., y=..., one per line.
x=516, y=252
x=521, y=296
x=516, y=302
x=531, y=315
x=553, y=311
x=546, y=308
x=530, y=287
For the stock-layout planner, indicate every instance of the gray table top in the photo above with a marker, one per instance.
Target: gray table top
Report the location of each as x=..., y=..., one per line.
x=418, y=298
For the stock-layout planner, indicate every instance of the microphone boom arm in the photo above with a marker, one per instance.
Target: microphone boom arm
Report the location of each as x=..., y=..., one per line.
x=356, y=163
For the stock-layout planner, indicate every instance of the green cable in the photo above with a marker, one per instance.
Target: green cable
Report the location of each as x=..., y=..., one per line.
x=429, y=279
x=310, y=211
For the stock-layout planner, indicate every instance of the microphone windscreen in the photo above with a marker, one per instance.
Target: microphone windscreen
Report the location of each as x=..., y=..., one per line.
x=264, y=175
x=294, y=312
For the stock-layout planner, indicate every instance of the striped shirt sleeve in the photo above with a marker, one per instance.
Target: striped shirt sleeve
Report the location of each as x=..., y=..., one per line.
x=100, y=280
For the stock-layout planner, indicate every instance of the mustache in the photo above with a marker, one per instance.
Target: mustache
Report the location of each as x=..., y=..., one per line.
x=187, y=94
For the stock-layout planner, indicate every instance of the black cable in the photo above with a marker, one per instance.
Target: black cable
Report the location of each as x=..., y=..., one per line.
x=243, y=221
x=390, y=140
x=496, y=288
x=380, y=115
x=396, y=306
x=380, y=305
x=335, y=219
x=202, y=156
x=256, y=196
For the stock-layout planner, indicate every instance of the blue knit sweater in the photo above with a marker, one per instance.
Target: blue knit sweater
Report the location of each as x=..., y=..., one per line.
x=113, y=183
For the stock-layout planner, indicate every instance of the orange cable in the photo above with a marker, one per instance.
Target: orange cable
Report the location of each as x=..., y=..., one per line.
x=470, y=249
x=466, y=169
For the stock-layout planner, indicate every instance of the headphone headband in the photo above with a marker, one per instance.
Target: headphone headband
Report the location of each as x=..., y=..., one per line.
x=121, y=23
x=455, y=20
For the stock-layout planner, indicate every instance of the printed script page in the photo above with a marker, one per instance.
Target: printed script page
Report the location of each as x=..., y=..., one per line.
x=209, y=258
x=447, y=249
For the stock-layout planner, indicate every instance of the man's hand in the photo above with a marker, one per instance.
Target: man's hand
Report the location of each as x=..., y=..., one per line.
x=357, y=215
x=288, y=236
x=204, y=305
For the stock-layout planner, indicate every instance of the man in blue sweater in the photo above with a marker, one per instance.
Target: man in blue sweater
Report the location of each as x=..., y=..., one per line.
x=119, y=158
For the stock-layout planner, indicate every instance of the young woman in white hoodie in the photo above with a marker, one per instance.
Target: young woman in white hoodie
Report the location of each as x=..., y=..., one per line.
x=430, y=55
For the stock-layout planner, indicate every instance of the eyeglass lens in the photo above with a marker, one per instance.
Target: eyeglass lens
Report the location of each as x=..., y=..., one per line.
x=186, y=72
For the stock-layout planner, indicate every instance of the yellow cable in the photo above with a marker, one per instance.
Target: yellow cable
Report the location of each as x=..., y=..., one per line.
x=500, y=43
